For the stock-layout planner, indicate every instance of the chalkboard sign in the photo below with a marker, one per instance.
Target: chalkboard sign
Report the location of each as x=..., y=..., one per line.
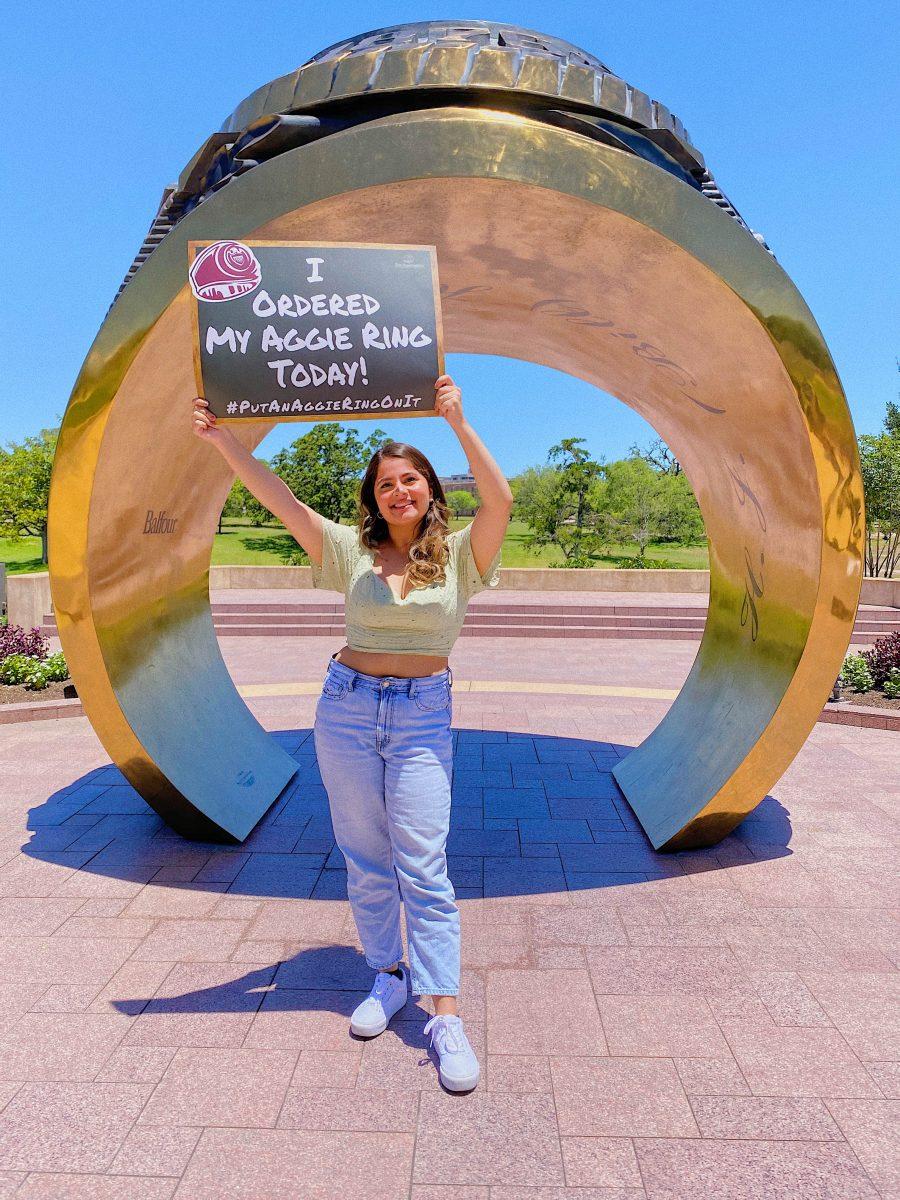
x=302, y=332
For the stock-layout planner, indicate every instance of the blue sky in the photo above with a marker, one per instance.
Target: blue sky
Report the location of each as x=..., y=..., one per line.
x=794, y=105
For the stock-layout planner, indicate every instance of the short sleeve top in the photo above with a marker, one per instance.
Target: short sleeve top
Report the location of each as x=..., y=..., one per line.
x=427, y=621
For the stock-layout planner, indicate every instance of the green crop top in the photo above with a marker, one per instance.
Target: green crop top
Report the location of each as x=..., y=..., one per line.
x=427, y=621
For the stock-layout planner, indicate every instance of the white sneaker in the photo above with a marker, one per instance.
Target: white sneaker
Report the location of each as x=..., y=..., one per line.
x=458, y=1070
x=388, y=995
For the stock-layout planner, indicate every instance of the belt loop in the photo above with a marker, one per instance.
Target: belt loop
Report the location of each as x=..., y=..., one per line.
x=450, y=676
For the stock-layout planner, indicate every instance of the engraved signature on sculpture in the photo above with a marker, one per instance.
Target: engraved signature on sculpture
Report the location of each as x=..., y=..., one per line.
x=571, y=310
x=754, y=582
x=457, y=293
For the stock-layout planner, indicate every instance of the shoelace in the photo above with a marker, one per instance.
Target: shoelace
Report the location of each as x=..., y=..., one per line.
x=448, y=1034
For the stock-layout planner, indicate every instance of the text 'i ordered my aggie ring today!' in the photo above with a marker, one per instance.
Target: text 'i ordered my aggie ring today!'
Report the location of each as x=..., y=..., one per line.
x=310, y=332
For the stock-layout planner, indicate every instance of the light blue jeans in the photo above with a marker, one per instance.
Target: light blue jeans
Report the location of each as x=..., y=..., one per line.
x=385, y=753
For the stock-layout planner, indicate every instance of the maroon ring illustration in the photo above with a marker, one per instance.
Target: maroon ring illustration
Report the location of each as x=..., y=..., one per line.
x=223, y=271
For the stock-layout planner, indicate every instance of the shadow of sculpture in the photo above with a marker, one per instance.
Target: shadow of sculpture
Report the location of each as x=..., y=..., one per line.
x=532, y=815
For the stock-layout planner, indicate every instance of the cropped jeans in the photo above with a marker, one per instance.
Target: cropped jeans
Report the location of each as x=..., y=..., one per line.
x=385, y=754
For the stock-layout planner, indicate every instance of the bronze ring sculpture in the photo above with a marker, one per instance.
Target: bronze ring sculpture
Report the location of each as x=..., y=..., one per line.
x=577, y=227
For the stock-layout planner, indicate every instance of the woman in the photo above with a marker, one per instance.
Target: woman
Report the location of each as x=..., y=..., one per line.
x=382, y=728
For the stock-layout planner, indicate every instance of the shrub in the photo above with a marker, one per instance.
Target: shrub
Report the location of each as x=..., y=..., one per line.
x=33, y=672
x=891, y=686
x=640, y=563
x=36, y=679
x=883, y=657
x=855, y=674
x=15, y=667
x=56, y=667
x=16, y=640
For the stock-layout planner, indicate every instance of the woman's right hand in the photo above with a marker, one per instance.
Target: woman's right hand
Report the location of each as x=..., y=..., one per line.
x=204, y=424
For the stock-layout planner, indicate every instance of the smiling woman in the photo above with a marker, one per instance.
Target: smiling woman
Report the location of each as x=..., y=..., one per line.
x=382, y=730
x=575, y=225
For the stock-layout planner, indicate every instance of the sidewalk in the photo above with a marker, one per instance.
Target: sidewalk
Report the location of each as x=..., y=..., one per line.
x=711, y=1024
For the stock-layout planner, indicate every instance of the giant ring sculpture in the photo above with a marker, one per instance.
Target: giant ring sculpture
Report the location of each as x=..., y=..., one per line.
x=576, y=226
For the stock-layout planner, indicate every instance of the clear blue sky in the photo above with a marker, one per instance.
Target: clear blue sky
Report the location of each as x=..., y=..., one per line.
x=794, y=105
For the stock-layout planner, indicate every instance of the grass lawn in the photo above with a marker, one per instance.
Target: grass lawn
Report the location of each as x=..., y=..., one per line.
x=21, y=557
x=240, y=544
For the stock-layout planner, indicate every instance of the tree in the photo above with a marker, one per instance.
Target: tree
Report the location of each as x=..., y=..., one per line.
x=879, y=460
x=242, y=503
x=680, y=519
x=644, y=505
x=234, y=503
x=659, y=456
x=632, y=503
x=25, y=487
x=554, y=502
x=532, y=491
x=461, y=501
x=323, y=467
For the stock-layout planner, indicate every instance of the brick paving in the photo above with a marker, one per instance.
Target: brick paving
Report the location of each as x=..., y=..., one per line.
x=716, y=1023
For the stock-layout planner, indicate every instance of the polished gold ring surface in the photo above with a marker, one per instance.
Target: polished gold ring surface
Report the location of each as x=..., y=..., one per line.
x=553, y=248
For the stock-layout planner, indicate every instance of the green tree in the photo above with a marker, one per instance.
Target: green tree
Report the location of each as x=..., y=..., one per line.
x=323, y=467
x=555, y=503
x=242, y=503
x=632, y=503
x=879, y=458
x=643, y=505
x=532, y=490
x=25, y=487
x=234, y=503
x=892, y=419
x=461, y=501
x=680, y=520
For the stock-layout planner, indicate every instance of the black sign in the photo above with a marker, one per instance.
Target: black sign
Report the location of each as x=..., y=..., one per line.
x=293, y=331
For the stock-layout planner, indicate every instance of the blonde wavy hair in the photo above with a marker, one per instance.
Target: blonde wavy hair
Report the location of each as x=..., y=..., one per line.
x=428, y=554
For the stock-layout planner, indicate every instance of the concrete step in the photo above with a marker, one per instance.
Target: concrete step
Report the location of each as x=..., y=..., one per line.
x=510, y=630
x=325, y=618
x=499, y=609
x=491, y=621
x=486, y=623
x=531, y=630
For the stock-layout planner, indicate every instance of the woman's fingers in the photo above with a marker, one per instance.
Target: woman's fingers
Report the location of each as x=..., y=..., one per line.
x=203, y=419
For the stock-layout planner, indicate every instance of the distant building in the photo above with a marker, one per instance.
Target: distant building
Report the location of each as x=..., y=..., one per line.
x=456, y=483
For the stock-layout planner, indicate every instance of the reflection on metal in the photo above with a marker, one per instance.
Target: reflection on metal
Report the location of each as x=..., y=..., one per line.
x=557, y=247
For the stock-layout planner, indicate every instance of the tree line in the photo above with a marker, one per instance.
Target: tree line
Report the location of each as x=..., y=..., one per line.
x=575, y=504
x=580, y=506
x=584, y=507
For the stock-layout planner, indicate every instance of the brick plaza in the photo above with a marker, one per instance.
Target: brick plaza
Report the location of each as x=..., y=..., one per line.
x=717, y=1023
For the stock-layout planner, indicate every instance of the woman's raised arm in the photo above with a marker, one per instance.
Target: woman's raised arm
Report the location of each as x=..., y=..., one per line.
x=301, y=521
x=492, y=519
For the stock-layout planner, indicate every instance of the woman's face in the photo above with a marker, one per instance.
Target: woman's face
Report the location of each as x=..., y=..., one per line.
x=401, y=492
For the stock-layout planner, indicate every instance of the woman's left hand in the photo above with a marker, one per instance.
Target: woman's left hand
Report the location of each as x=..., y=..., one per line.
x=448, y=401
